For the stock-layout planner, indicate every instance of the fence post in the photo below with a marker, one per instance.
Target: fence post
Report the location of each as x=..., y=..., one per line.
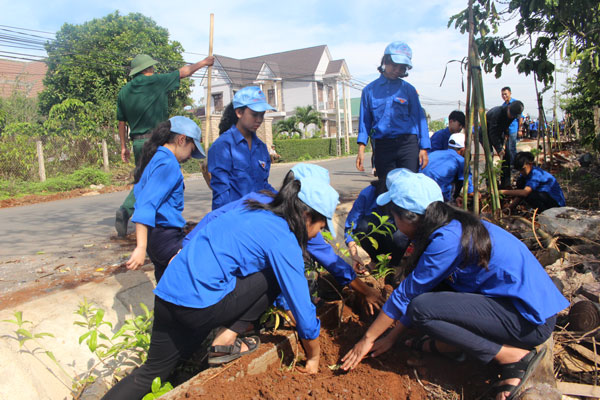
x=41, y=165
x=105, y=155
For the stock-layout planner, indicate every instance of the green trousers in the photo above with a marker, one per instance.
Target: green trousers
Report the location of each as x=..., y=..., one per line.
x=129, y=202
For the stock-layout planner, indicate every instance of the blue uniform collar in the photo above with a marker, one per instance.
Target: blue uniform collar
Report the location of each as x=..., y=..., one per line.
x=382, y=80
x=237, y=135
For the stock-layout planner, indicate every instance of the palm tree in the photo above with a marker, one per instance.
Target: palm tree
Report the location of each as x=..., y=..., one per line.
x=306, y=116
x=287, y=125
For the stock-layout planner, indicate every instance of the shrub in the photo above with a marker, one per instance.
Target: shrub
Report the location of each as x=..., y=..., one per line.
x=306, y=149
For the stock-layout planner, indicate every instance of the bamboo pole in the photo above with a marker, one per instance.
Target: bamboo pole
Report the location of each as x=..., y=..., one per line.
x=208, y=133
x=476, y=193
x=469, y=120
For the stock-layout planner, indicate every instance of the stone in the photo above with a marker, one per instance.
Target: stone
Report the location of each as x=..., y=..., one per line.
x=570, y=221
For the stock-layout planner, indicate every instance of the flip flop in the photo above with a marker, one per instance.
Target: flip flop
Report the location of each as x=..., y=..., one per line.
x=233, y=351
x=419, y=345
x=521, y=369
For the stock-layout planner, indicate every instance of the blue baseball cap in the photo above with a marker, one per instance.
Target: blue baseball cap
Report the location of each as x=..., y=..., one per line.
x=411, y=191
x=400, y=52
x=394, y=174
x=303, y=170
x=187, y=127
x=251, y=97
x=320, y=197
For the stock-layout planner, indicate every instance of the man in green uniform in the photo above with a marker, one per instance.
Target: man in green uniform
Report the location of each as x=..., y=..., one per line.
x=142, y=104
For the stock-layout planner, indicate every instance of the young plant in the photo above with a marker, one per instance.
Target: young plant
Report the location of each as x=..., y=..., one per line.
x=158, y=389
x=273, y=317
x=382, y=268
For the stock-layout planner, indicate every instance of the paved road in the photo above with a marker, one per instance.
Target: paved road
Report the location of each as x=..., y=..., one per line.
x=69, y=225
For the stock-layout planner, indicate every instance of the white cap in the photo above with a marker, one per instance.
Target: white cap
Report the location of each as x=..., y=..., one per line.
x=456, y=140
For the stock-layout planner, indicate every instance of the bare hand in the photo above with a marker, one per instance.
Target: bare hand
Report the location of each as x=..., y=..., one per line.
x=137, y=258
x=311, y=367
x=360, y=158
x=374, y=300
x=210, y=60
x=125, y=154
x=382, y=345
x=423, y=158
x=355, y=356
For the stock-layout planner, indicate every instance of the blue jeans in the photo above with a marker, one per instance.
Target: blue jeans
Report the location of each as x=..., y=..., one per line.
x=477, y=324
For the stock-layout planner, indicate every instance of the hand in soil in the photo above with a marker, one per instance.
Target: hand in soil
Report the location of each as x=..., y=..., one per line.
x=374, y=300
x=311, y=367
x=358, y=352
x=137, y=258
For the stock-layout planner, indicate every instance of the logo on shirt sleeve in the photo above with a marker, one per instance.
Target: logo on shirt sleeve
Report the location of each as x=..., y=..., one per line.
x=263, y=164
x=401, y=100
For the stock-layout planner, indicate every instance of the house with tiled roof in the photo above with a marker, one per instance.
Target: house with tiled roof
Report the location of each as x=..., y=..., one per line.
x=25, y=77
x=289, y=79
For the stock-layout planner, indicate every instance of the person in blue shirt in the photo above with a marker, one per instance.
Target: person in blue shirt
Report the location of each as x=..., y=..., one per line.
x=499, y=306
x=533, y=129
x=392, y=117
x=446, y=168
x=238, y=161
x=360, y=223
x=228, y=274
x=514, y=129
x=456, y=123
x=317, y=247
x=537, y=187
x=159, y=192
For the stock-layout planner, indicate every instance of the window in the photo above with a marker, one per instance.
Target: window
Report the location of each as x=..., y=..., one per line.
x=218, y=101
x=271, y=97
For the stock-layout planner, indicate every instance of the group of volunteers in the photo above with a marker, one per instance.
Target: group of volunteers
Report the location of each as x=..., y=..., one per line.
x=464, y=294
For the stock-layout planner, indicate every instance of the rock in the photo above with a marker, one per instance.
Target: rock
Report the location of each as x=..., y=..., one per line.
x=569, y=221
x=547, y=256
x=97, y=187
x=586, y=160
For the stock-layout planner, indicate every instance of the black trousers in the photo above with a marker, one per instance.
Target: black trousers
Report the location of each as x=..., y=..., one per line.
x=477, y=324
x=179, y=331
x=540, y=200
x=396, y=244
x=163, y=244
x=399, y=152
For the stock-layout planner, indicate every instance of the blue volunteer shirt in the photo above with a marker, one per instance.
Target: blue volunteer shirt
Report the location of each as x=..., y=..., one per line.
x=237, y=244
x=439, y=140
x=513, y=272
x=235, y=169
x=159, y=193
x=389, y=108
x=543, y=181
x=514, y=126
x=446, y=167
x=316, y=247
x=364, y=204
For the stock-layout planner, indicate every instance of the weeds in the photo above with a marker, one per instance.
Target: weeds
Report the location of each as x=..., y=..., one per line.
x=273, y=317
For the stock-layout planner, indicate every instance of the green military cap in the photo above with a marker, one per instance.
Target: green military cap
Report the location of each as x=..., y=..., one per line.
x=140, y=63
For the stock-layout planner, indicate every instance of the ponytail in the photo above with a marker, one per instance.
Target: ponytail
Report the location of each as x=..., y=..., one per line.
x=160, y=135
x=229, y=118
x=475, y=240
x=288, y=206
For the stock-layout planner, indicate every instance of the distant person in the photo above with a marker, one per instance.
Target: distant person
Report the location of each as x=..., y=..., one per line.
x=142, y=104
x=498, y=120
x=273, y=153
x=392, y=117
x=159, y=192
x=456, y=123
x=447, y=168
x=537, y=187
x=533, y=129
x=238, y=161
x=514, y=129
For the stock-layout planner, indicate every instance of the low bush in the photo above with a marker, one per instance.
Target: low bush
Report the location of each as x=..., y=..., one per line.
x=304, y=149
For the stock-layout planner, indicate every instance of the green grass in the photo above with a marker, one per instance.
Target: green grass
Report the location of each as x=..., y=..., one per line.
x=79, y=179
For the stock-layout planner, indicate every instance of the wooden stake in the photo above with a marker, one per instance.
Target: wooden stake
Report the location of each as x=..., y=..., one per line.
x=208, y=133
x=469, y=122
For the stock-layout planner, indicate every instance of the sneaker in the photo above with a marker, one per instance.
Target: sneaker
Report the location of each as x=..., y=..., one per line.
x=121, y=220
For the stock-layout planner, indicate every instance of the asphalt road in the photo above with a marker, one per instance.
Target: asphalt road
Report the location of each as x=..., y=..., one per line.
x=66, y=226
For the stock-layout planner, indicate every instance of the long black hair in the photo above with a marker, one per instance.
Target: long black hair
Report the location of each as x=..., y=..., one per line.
x=288, y=206
x=160, y=135
x=386, y=59
x=475, y=240
x=229, y=118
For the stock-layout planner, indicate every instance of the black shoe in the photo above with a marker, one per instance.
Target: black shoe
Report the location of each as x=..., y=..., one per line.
x=121, y=221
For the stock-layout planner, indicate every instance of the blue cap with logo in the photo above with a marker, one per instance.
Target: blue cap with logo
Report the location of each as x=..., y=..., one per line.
x=187, y=127
x=400, y=53
x=321, y=197
x=253, y=98
x=303, y=170
x=411, y=191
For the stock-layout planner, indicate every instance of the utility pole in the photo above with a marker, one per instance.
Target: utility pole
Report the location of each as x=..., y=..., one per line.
x=338, y=120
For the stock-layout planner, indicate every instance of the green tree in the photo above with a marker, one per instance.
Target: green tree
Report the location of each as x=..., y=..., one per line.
x=18, y=108
x=306, y=116
x=287, y=127
x=90, y=62
x=436, y=125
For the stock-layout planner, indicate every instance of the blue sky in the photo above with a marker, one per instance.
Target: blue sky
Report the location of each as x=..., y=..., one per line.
x=356, y=30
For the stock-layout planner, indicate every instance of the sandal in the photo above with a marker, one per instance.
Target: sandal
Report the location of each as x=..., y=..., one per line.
x=233, y=351
x=521, y=369
x=419, y=345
